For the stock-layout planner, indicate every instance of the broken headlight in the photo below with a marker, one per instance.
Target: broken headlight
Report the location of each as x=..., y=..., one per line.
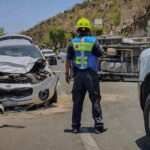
x=43, y=95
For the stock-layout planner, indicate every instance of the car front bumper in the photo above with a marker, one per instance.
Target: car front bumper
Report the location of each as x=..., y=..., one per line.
x=12, y=98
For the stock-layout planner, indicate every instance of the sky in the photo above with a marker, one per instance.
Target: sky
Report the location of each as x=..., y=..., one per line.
x=20, y=15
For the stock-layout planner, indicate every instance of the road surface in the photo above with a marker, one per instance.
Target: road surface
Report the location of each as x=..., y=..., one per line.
x=49, y=129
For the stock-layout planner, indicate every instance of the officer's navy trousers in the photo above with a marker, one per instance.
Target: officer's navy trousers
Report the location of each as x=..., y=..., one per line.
x=86, y=80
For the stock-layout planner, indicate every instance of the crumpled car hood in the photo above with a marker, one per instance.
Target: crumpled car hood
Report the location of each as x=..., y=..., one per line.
x=9, y=64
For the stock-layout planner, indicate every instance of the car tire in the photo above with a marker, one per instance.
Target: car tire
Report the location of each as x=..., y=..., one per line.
x=147, y=116
x=54, y=98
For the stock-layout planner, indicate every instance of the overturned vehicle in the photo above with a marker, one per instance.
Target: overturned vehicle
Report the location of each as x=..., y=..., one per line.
x=25, y=77
x=121, y=59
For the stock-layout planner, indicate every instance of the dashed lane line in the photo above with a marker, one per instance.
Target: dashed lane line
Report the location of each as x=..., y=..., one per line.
x=88, y=140
x=59, y=83
x=59, y=71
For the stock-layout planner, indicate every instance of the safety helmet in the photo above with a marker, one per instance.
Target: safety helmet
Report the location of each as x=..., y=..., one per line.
x=83, y=23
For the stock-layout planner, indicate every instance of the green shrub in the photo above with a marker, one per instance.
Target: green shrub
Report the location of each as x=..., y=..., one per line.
x=96, y=31
x=2, y=31
x=116, y=16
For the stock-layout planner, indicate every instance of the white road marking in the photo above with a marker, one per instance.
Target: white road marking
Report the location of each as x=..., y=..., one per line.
x=59, y=83
x=88, y=140
x=59, y=71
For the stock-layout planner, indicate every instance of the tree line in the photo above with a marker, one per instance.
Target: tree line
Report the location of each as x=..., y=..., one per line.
x=58, y=37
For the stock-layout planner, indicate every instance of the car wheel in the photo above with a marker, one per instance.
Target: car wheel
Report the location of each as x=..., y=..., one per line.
x=147, y=116
x=54, y=98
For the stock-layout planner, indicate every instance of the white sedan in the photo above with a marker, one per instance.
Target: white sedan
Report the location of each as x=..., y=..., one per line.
x=25, y=77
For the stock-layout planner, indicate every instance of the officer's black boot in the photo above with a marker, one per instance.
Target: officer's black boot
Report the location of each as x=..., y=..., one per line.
x=99, y=128
x=75, y=130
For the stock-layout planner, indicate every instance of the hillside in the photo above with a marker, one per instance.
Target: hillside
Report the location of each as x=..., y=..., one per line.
x=115, y=13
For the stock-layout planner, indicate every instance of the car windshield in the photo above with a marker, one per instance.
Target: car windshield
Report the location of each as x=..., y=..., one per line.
x=48, y=52
x=21, y=51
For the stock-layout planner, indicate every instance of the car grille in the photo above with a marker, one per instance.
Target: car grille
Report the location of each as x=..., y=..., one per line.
x=22, y=92
x=52, y=58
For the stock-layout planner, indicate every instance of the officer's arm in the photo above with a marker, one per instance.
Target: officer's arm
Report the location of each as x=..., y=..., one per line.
x=68, y=66
x=98, y=51
x=69, y=58
x=70, y=55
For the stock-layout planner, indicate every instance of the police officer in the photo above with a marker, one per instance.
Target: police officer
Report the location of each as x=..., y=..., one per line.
x=83, y=51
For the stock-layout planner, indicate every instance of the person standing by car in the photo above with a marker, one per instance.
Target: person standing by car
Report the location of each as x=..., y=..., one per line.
x=83, y=51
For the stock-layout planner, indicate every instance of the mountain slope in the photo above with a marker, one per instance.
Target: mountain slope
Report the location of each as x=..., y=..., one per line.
x=115, y=13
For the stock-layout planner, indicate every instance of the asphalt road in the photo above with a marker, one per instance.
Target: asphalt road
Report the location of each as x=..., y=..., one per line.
x=44, y=130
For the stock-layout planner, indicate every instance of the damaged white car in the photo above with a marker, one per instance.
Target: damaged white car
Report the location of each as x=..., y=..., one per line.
x=25, y=77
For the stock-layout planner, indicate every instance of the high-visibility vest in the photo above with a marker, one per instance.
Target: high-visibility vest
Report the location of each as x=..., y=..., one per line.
x=84, y=58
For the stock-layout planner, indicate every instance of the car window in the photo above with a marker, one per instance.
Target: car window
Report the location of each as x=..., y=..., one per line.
x=21, y=51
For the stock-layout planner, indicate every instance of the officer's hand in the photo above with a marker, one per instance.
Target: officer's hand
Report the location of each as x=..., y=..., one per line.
x=67, y=77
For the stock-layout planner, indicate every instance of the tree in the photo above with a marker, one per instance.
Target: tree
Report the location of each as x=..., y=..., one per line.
x=46, y=41
x=2, y=31
x=57, y=36
x=97, y=31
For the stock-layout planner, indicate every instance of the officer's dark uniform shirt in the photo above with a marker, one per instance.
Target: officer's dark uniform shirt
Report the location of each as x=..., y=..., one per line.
x=96, y=51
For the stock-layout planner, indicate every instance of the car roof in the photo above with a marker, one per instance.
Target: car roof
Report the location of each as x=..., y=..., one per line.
x=15, y=40
x=14, y=43
x=15, y=36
